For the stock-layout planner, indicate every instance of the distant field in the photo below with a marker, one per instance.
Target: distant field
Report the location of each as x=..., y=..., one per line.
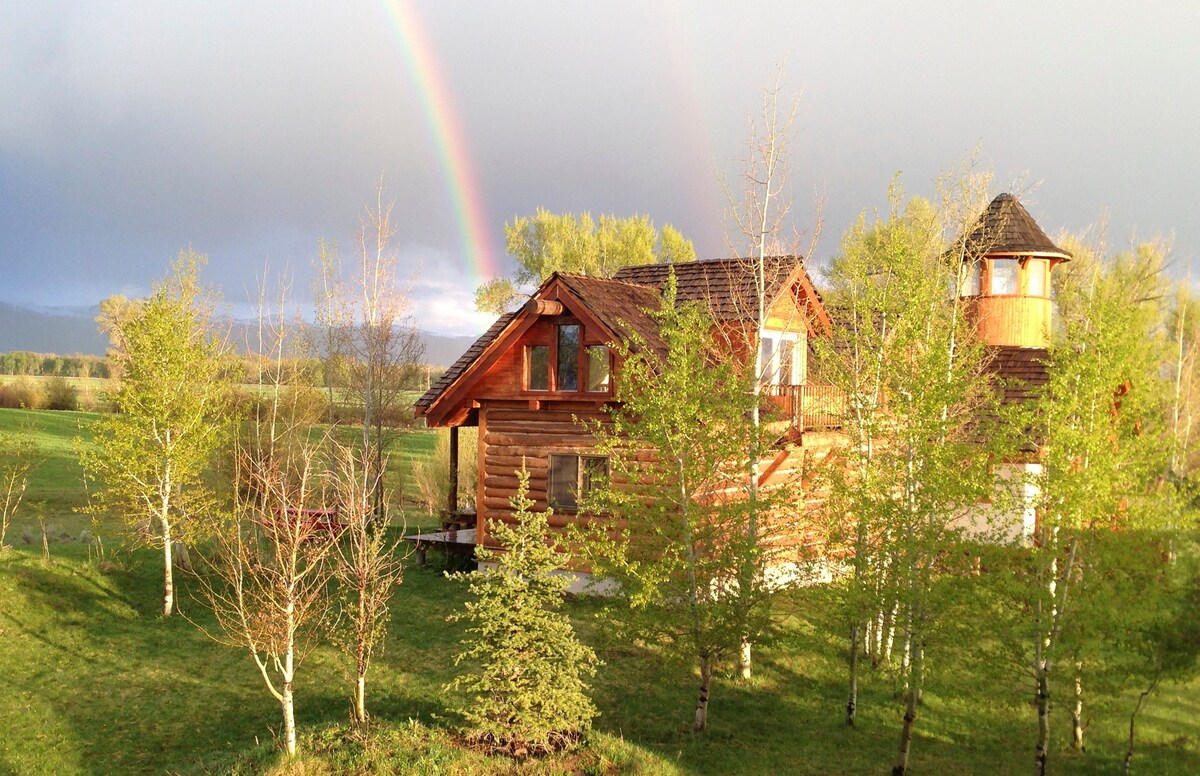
x=56, y=484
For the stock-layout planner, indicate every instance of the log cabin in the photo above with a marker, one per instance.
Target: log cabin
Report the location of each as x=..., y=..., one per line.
x=534, y=380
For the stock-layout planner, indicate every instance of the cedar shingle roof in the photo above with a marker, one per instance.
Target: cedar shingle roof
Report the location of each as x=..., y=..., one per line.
x=621, y=306
x=1007, y=227
x=464, y=361
x=727, y=285
x=1021, y=372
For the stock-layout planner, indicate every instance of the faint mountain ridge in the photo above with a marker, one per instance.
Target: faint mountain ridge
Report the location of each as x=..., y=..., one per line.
x=72, y=329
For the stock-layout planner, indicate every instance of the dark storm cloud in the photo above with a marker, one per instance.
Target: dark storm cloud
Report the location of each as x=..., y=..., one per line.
x=131, y=130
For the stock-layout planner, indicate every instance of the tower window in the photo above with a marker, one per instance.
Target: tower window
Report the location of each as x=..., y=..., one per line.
x=1035, y=277
x=1004, y=274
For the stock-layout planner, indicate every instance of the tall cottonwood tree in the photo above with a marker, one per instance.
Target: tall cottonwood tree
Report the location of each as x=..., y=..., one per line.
x=149, y=458
x=914, y=467
x=368, y=338
x=677, y=548
x=547, y=242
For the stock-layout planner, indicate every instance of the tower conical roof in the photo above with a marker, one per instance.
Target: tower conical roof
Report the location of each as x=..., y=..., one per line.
x=1007, y=227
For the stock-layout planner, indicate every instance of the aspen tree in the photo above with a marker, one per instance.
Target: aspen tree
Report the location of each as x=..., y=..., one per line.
x=676, y=548
x=915, y=464
x=149, y=458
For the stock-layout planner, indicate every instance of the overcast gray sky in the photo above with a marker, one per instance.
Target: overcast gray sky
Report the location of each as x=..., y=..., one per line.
x=130, y=130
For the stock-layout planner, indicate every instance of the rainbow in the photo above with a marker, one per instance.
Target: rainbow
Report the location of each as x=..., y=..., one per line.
x=453, y=153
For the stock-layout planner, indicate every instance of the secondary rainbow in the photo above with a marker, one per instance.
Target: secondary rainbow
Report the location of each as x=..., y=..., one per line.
x=453, y=153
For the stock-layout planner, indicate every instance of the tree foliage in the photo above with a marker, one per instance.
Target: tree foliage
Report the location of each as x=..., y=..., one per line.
x=1100, y=426
x=546, y=243
x=904, y=490
x=527, y=691
x=149, y=458
x=678, y=549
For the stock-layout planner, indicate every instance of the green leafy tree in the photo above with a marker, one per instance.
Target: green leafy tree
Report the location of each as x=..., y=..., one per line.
x=677, y=546
x=1100, y=426
x=528, y=693
x=547, y=242
x=149, y=459
x=19, y=454
x=913, y=469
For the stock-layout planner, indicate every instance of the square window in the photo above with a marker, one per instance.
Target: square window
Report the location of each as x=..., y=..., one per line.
x=573, y=477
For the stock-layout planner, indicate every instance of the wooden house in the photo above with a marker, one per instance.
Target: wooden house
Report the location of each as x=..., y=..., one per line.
x=534, y=380
x=531, y=379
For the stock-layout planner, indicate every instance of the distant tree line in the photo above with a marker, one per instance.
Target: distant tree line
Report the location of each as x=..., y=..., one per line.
x=246, y=369
x=23, y=362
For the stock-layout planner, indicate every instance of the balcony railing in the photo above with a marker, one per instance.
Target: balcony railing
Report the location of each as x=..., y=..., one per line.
x=809, y=407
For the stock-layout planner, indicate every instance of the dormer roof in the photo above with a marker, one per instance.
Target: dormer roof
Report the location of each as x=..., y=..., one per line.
x=1007, y=228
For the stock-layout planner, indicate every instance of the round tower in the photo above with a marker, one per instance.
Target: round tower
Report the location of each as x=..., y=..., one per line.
x=1007, y=266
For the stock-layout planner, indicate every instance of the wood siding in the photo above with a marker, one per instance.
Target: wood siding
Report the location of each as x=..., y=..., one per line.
x=1015, y=321
x=510, y=438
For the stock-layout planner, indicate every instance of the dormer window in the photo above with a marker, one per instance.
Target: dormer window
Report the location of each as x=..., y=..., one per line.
x=568, y=357
x=598, y=369
x=565, y=364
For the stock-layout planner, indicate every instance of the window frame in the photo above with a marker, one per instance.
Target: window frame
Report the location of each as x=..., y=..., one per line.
x=577, y=491
x=993, y=274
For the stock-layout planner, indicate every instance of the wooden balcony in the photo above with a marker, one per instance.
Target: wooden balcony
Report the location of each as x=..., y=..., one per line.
x=808, y=407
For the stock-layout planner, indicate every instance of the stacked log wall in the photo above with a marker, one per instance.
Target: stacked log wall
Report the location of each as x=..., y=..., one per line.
x=510, y=438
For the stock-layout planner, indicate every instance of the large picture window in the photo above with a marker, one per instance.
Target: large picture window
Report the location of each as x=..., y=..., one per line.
x=572, y=478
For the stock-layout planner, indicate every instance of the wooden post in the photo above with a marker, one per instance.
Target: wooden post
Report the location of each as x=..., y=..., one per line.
x=452, y=499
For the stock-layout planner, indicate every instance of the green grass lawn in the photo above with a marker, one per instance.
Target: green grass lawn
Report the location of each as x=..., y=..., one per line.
x=94, y=681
